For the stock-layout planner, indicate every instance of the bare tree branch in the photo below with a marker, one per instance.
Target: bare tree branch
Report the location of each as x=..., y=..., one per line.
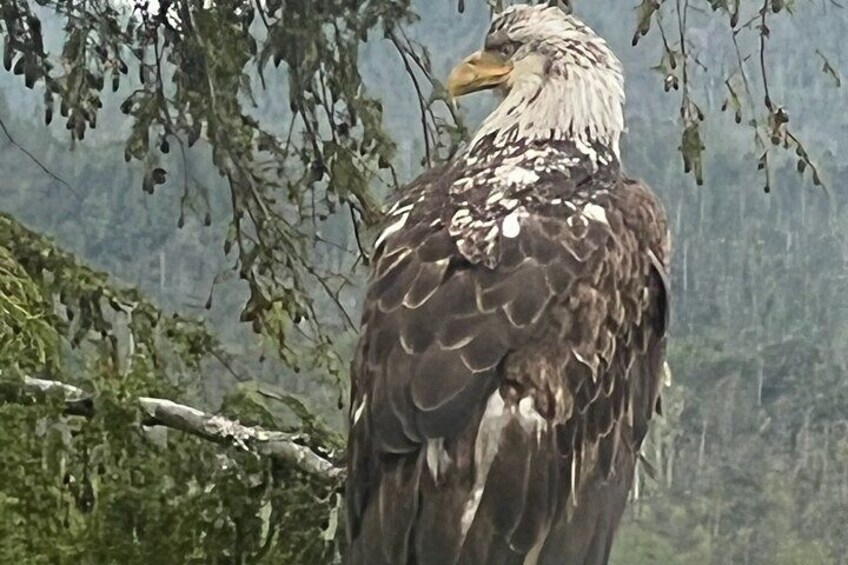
x=285, y=447
x=34, y=159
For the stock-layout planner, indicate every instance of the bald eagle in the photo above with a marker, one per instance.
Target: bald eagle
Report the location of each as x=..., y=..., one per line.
x=513, y=332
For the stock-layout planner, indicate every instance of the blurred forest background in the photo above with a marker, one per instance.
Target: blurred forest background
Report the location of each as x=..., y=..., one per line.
x=222, y=267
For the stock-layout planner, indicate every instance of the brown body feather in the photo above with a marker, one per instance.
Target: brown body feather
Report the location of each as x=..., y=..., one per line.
x=501, y=394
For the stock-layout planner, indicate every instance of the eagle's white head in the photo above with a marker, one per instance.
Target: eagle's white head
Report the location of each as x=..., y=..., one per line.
x=560, y=80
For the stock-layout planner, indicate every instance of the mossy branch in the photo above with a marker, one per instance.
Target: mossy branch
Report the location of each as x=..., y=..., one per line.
x=285, y=447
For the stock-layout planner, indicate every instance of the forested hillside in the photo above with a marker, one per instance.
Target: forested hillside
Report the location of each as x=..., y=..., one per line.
x=749, y=464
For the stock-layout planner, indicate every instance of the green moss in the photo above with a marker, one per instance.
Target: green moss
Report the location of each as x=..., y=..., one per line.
x=106, y=490
x=28, y=337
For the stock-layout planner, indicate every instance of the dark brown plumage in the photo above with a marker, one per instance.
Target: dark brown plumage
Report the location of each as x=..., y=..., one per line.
x=510, y=359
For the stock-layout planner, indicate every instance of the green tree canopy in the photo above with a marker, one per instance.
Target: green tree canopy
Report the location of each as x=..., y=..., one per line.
x=750, y=466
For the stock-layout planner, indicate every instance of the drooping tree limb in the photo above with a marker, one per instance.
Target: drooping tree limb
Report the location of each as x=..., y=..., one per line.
x=160, y=412
x=35, y=159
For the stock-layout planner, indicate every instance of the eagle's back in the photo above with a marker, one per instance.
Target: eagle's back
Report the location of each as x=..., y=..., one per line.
x=510, y=359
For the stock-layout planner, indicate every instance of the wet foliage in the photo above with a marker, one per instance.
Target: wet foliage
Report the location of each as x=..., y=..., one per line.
x=261, y=139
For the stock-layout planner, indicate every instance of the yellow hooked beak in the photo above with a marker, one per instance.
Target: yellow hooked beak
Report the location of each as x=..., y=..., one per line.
x=481, y=70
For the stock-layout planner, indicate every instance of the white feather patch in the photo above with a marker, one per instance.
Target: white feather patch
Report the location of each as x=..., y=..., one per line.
x=511, y=225
x=509, y=203
x=489, y=434
x=394, y=228
x=437, y=457
x=485, y=448
x=666, y=374
x=357, y=414
x=397, y=210
x=531, y=420
x=595, y=212
x=586, y=149
x=494, y=196
x=512, y=175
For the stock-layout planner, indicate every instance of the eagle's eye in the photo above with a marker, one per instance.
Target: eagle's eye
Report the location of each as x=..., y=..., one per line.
x=507, y=49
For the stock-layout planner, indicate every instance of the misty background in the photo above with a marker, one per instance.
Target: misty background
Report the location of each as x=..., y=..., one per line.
x=750, y=463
